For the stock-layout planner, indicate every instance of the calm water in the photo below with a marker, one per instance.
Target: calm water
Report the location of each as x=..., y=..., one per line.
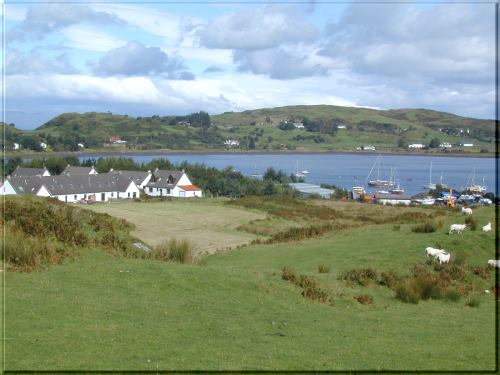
x=347, y=170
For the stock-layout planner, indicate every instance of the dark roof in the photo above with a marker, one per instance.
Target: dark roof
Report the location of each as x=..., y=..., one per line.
x=26, y=185
x=165, y=179
x=28, y=172
x=64, y=184
x=77, y=171
x=137, y=176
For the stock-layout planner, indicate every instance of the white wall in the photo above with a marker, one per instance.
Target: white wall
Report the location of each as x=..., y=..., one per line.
x=43, y=192
x=7, y=189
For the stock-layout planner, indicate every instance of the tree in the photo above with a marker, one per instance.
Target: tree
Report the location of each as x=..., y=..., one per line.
x=251, y=144
x=434, y=143
x=401, y=143
x=268, y=119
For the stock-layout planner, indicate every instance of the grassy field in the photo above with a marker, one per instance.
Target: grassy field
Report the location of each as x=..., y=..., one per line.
x=235, y=312
x=208, y=224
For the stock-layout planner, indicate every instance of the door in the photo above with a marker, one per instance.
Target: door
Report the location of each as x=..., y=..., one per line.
x=103, y=196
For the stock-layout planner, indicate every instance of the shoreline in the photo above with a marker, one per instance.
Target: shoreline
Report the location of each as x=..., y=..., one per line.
x=166, y=152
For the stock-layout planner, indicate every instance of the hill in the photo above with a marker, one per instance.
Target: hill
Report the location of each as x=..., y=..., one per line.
x=301, y=128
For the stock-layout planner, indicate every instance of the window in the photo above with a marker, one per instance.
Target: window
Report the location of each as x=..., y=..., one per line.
x=76, y=196
x=133, y=194
x=128, y=195
x=168, y=191
x=150, y=189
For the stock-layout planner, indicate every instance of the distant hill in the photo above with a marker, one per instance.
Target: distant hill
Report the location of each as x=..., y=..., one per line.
x=302, y=128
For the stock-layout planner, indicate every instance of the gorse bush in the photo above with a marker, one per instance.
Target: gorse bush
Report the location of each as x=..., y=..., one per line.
x=310, y=287
x=365, y=299
x=322, y=268
x=390, y=279
x=362, y=276
x=174, y=251
x=472, y=222
x=427, y=226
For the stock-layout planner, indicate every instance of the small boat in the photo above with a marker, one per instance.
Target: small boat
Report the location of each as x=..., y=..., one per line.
x=472, y=186
x=427, y=201
x=430, y=185
x=397, y=190
x=305, y=171
x=358, y=191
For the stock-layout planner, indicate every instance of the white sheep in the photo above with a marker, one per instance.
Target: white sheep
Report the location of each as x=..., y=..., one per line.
x=444, y=257
x=494, y=263
x=430, y=251
x=467, y=211
x=487, y=227
x=457, y=228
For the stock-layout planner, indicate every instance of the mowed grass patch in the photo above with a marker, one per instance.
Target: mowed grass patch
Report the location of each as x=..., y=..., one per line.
x=207, y=223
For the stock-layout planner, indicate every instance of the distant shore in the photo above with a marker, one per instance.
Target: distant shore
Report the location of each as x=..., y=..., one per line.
x=166, y=152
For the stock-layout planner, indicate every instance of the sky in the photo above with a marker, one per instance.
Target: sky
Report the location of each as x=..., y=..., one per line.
x=176, y=58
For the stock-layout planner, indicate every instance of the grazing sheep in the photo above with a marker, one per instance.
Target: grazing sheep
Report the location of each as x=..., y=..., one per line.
x=494, y=263
x=457, y=228
x=430, y=251
x=467, y=211
x=444, y=257
x=487, y=227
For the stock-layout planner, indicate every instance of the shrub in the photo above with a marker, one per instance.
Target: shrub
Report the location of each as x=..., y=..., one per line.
x=365, y=299
x=459, y=258
x=427, y=226
x=289, y=274
x=396, y=227
x=322, y=268
x=406, y=293
x=483, y=272
x=452, y=295
x=314, y=292
x=362, y=276
x=427, y=287
x=390, y=279
x=473, y=301
x=174, y=251
x=472, y=221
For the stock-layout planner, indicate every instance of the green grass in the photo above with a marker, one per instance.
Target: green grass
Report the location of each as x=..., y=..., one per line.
x=146, y=133
x=235, y=312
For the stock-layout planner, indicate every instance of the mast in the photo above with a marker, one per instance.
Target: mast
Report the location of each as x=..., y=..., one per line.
x=430, y=174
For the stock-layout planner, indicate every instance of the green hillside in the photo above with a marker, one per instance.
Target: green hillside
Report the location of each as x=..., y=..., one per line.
x=326, y=128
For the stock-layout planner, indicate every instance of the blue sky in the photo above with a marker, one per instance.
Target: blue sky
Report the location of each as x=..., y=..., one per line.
x=146, y=59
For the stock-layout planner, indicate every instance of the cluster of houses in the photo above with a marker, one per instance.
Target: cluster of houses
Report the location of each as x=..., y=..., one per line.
x=84, y=184
x=442, y=145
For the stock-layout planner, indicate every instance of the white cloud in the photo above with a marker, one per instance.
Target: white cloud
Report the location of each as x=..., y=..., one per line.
x=258, y=28
x=90, y=39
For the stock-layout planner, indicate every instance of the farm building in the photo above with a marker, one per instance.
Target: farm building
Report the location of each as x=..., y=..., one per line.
x=393, y=199
x=71, y=170
x=171, y=184
x=310, y=189
x=30, y=172
x=66, y=188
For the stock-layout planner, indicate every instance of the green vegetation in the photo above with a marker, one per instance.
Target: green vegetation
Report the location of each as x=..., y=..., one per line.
x=266, y=306
x=263, y=129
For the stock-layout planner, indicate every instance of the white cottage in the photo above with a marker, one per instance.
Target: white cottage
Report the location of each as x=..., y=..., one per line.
x=99, y=188
x=171, y=184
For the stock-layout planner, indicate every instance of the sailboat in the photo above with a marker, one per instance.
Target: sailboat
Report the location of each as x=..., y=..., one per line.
x=397, y=189
x=430, y=185
x=297, y=173
x=378, y=182
x=472, y=186
x=255, y=174
x=441, y=184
